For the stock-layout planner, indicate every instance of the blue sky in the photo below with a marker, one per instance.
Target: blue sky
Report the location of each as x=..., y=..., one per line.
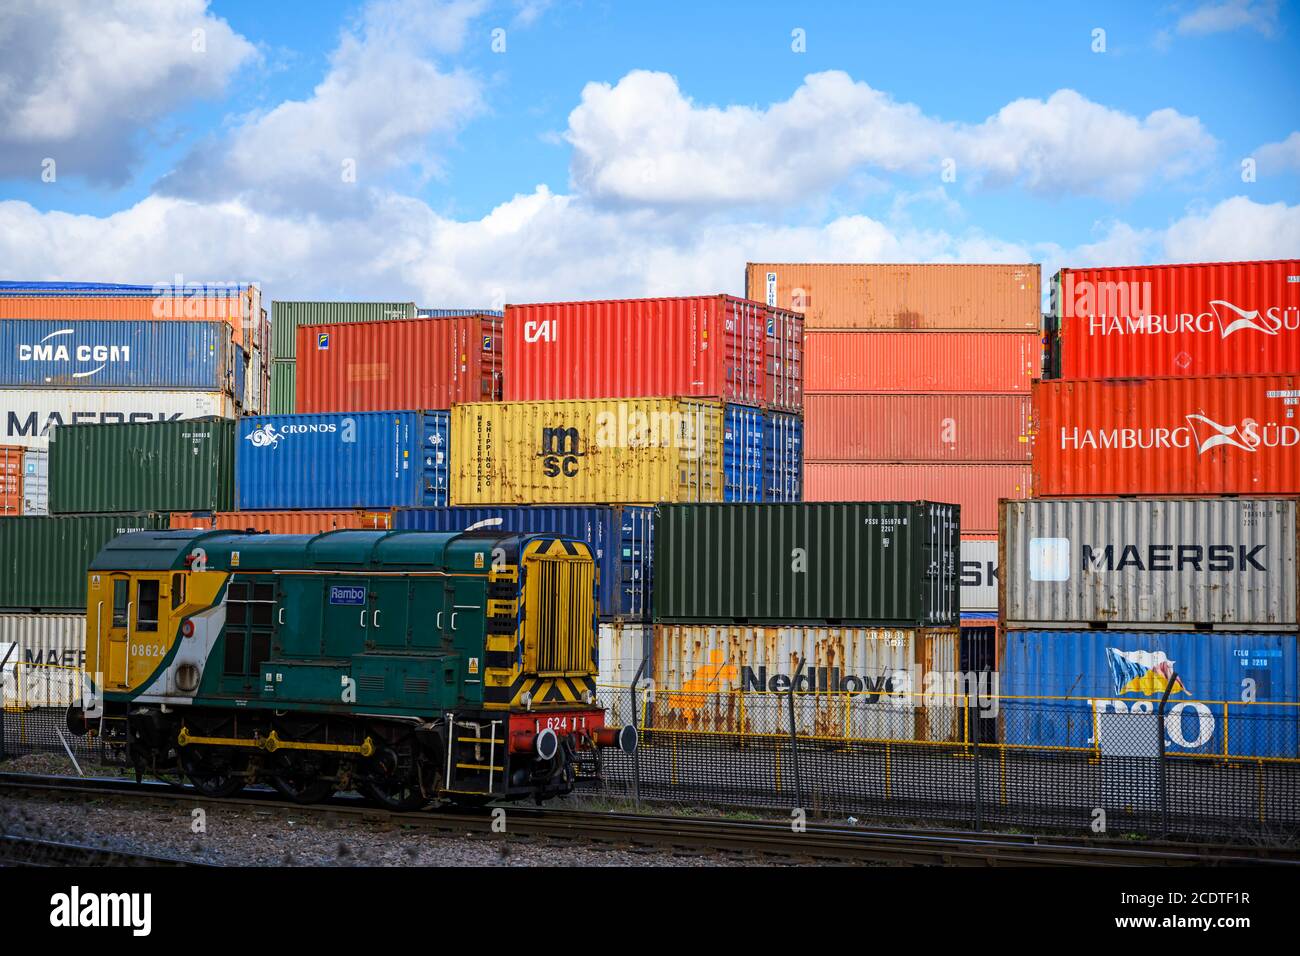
x=635, y=148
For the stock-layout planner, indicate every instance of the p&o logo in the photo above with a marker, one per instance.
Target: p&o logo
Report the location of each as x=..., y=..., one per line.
x=264, y=436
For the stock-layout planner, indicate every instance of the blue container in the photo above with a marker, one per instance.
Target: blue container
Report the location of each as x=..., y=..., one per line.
x=342, y=460
x=620, y=535
x=105, y=354
x=742, y=454
x=118, y=290
x=782, y=456
x=1125, y=672
x=452, y=313
x=241, y=373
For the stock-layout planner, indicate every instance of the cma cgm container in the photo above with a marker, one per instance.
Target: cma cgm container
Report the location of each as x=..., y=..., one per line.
x=1167, y=436
x=417, y=363
x=975, y=487
x=845, y=563
x=283, y=522
x=43, y=560
x=908, y=362
x=58, y=640
x=342, y=461
x=943, y=427
x=628, y=451
x=621, y=538
x=901, y=296
x=979, y=577
x=712, y=346
x=11, y=479
x=1154, y=562
x=782, y=456
x=168, y=466
x=742, y=454
x=1210, y=318
x=1103, y=686
x=28, y=416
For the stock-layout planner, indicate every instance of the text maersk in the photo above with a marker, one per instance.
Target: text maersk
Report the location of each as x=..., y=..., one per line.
x=17, y=427
x=1170, y=557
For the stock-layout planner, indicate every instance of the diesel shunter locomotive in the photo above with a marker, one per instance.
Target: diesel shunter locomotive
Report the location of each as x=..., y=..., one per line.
x=410, y=666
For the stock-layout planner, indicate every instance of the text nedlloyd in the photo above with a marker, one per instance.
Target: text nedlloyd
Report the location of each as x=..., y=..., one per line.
x=76, y=909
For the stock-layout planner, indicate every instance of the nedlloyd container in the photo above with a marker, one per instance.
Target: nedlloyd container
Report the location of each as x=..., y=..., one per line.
x=361, y=460
x=57, y=640
x=1192, y=563
x=28, y=416
x=879, y=563
x=782, y=456
x=742, y=457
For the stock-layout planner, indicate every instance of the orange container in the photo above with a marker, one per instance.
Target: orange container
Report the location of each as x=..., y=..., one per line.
x=11, y=480
x=976, y=488
x=884, y=296
x=942, y=427
x=283, y=522
x=857, y=362
x=248, y=330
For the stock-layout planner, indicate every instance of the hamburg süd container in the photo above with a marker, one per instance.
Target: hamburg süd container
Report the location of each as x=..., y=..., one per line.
x=163, y=466
x=57, y=640
x=902, y=296
x=1205, y=318
x=11, y=479
x=29, y=415
x=621, y=537
x=1167, y=436
x=283, y=522
x=43, y=560
x=362, y=460
x=782, y=456
x=742, y=455
x=1096, y=690
x=402, y=363
x=882, y=563
x=609, y=451
x=920, y=428
x=979, y=577
x=911, y=362
x=708, y=346
x=36, y=481
x=286, y=317
x=1194, y=563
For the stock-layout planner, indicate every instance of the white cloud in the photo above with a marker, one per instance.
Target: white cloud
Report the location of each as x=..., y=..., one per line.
x=1235, y=228
x=82, y=80
x=1280, y=157
x=1229, y=15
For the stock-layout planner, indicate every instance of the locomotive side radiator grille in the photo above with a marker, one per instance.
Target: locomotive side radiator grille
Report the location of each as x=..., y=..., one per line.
x=562, y=631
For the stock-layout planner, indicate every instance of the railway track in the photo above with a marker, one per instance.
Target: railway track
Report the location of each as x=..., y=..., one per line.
x=766, y=839
x=16, y=850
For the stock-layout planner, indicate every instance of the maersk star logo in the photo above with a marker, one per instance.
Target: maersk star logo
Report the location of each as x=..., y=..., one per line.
x=1210, y=434
x=1233, y=319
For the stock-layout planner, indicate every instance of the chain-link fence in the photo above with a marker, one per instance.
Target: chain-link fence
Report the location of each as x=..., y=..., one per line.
x=34, y=701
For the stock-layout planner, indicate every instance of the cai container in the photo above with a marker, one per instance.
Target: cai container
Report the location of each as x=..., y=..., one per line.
x=902, y=296
x=902, y=362
x=52, y=640
x=283, y=522
x=30, y=415
x=1206, y=318
x=922, y=428
x=362, y=460
x=783, y=438
x=1167, y=436
x=1191, y=563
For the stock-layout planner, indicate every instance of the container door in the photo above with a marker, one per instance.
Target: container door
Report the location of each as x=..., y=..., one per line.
x=389, y=620
x=345, y=616
x=433, y=460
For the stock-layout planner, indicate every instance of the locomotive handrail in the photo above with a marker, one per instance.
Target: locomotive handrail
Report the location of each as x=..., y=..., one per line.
x=126, y=658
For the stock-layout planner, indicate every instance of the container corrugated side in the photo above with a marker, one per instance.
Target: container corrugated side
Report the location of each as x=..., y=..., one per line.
x=742, y=454
x=785, y=348
x=54, y=639
x=11, y=479
x=626, y=451
x=891, y=563
x=287, y=316
x=783, y=449
x=1114, y=680
x=944, y=427
x=283, y=522
x=36, y=481
x=979, y=576
x=907, y=362
x=283, y=384
x=235, y=309
x=29, y=415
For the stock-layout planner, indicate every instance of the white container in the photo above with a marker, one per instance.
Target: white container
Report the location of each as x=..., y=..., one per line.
x=26, y=414
x=36, y=481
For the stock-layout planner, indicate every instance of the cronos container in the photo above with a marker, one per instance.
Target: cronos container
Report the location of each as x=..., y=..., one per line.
x=944, y=427
x=417, y=363
x=621, y=538
x=49, y=639
x=283, y=522
x=712, y=346
x=11, y=479
x=1095, y=691
x=865, y=562
x=902, y=362
x=901, y=296
x=362, y=460
x=43, y=560
x=1215, y=318
x=783, y=442
x=979, y=577
x=1155, y=562
x=30, y=415
x=1167, y=436
x=626, y=451
x=975, y=487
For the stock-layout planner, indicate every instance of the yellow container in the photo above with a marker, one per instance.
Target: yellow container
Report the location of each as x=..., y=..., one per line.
x=604, y=451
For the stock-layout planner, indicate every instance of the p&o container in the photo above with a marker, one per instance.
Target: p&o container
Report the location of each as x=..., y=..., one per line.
x=911, y=362
x=920, y=428
x=28, y=416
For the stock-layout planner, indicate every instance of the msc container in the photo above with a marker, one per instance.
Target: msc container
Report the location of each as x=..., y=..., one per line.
x=1163, y=562
x=283, y=522
x=944, y=427
x=43, y=560
x=742, y=454
x=287, y=316
x=36, y=481
x=901, y=296
x=376, y=366
x=782, y=456
x=976, y=488
x=283, y=384
x=11, y=479
x=1215, y=318
x=1085, y=690
x=979, y=577
x=629, y=451
x=711, y=346
x=850, y=682
x=859, y=362
x=50, y=639
x=167, y=466
x=29, y=415
x=847, y=563
x=785, y=346
x=1167, y=436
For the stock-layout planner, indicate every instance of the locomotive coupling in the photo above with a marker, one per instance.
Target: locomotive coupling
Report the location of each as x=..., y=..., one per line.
x=624, y=738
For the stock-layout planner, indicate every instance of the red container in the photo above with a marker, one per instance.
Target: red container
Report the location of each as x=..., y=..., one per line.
x=11, y=480
x=1218, y=318
x=1167, y=436
x=976, y=488
x=785, y=347
x=699, y=346
x=943, y=427
x=284, y=522
x=864, y=361
x=398, y=364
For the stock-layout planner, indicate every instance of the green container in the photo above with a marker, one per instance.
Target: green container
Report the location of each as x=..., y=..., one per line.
x=43, y=560
x=831, y=563
x=283, y=378
x=287, y=316
x=182, y=465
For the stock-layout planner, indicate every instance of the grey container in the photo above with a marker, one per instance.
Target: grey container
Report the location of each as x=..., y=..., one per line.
x=1193, y=563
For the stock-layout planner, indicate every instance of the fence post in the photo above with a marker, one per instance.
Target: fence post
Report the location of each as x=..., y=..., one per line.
x=1160, y=739
x=794, y=740
x=3, y=664
x=636, y=754
x=979, y=782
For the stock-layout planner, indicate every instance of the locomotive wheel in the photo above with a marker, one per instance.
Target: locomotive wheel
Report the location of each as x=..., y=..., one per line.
x=400, y=796
x=300, y=783
x=211, y=776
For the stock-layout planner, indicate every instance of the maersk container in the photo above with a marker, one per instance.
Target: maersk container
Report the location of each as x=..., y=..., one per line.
x=57, y=640
x=1096, y=690
x=979, y=577
x=36, y=481
x=28, y=416
x=163, y=466
x=1194, y=563
x=342, y=461
x=43, y=560
x=881, y=563
x=782, y=456
x=742, y=455
x=620, y=536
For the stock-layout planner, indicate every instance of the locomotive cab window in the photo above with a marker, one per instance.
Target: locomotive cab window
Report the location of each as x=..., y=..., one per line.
x=178, y=589
x=146, y=612
x=121, y=592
